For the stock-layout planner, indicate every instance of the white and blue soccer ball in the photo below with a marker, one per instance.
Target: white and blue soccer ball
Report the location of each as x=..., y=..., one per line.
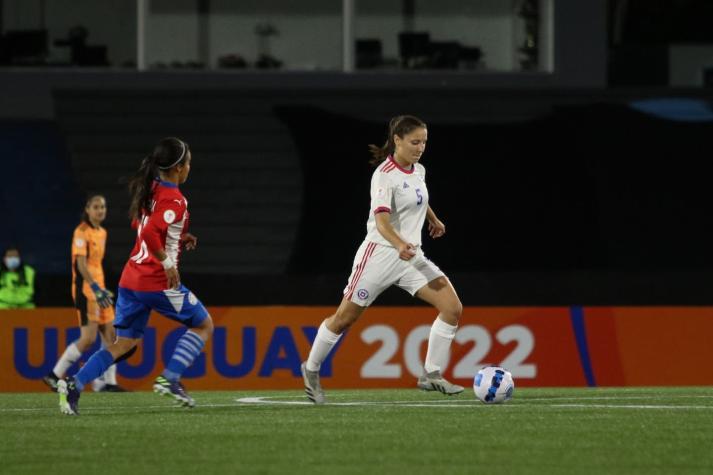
x=493, y=385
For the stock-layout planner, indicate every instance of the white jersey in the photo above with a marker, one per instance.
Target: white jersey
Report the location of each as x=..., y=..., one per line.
x=404, y=195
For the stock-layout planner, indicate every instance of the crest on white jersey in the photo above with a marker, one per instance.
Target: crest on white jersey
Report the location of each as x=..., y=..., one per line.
x=380, y=192
x=169, y=216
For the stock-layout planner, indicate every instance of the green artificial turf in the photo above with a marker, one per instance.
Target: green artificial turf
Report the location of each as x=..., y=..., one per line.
x=548, y=431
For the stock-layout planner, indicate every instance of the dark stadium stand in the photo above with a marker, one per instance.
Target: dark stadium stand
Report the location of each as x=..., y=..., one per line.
x=245, y=187
x=550, y=196
x=39, y=196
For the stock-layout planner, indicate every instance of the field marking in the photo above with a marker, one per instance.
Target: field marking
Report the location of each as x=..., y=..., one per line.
x=554, y=402
x=266, y=400
x=112, y=409
x=607, y=398
x=629, y=406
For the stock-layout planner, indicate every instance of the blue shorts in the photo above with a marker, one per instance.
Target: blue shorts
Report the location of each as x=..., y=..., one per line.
x=133, y=309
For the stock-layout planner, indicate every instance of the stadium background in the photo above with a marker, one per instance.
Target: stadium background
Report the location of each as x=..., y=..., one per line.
x=576, y=189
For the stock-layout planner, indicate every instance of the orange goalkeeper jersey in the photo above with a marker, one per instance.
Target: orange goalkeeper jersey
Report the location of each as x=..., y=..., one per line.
x=90, y=242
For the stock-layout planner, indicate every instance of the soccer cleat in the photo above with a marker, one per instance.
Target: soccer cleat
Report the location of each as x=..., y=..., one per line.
x=113, y=388
x=68, y=397
x=51, y=380
x=435, y=382
x=312, y=386
x=424, y=384
x=173, y=389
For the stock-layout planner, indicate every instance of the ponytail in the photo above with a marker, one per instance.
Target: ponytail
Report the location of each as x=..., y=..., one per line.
x=168, y=153
x=400, y=125
x=140, y=187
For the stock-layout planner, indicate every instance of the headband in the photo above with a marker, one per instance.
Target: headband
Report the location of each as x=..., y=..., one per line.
x=183, y=152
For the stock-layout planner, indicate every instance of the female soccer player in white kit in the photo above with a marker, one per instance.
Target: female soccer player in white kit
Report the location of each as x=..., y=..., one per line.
x=391, y=255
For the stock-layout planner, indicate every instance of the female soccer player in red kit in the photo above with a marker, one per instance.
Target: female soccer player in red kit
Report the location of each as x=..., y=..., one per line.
x=391, y=255
x=150, y=280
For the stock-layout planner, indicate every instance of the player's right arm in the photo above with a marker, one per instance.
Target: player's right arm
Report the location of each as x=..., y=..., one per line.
x=386, y=229
x=105, y=298
x=164, y=214
x=172, y=276
x=80, y=243
x=381, y=198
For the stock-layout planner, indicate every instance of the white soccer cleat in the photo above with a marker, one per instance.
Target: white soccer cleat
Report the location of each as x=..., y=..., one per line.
x=312, y=387
x=435, y=382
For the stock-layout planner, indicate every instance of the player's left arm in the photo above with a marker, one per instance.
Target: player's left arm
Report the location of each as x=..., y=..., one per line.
x=189, y=241
x=436, y=228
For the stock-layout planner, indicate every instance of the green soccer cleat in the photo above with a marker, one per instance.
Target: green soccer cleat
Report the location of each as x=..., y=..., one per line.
x=173, y=389
x=68, y=397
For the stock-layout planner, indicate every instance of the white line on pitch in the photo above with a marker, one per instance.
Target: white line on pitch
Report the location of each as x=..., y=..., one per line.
x=608, y=398
x=628, y=406
x=267, y=400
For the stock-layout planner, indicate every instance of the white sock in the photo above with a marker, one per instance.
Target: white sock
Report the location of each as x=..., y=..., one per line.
x=110, y=375
x=69, y=357
x=439, y=344
x=98, y=384
x=323, y=344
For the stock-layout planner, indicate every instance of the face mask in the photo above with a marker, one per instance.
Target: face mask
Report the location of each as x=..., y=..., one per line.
x=12, y=262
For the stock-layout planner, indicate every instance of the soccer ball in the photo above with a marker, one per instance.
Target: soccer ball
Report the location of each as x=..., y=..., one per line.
x=493, y=385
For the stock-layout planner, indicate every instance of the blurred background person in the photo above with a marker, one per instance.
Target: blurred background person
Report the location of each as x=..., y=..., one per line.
x=17, y=281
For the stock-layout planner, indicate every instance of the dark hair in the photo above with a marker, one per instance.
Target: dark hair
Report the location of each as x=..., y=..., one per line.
x=400, y=125
x=85, y=215
x=20, y=269
x=168, y=153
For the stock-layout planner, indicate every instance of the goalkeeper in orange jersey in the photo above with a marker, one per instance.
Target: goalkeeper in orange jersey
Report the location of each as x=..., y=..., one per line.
x=94, y=303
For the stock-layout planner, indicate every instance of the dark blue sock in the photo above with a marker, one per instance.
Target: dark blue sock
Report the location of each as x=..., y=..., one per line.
x=94, y=368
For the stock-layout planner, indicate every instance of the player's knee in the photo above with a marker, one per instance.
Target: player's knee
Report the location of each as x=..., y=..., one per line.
x=453, y=312
x=458, y=309
x=206, y=327
x=122, y=350
x=84, y=342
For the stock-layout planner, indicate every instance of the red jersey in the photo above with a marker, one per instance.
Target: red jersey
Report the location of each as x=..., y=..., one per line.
x=159, y=228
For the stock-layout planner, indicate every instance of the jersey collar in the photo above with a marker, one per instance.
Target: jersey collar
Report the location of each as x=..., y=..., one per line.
x=408, y=172
x=167, y=184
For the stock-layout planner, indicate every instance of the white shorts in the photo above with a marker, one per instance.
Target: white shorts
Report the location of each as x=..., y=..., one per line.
x=378, y=267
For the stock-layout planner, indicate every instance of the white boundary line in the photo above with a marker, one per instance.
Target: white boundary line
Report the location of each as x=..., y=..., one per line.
x=629, y=406
x=555, y=402
x=268, y=400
